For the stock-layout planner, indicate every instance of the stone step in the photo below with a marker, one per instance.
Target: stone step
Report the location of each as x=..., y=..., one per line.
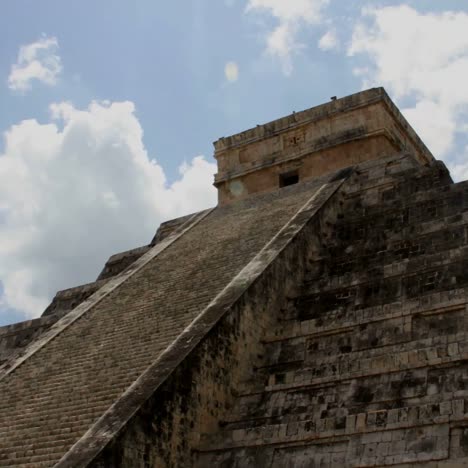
x=35, y=461
x=72, y=418
x=119, y=262
x=436, y=351
x=387, y=333
x=15, y=337
x=387, y=219
x=44, y=442
x=383, y=251
x=47, y=451
x=35, y=464
x=361, y=205
x=67, y=299
x=361, y=239
x=41, y=440
x=366, y=336
x=341, y=319
x=333, y=453
x=367, y=393
x=366, y=290
x=46, y=402
x=386, y=419
x=73, y=382
x=440, y=259
x=390, y=186
x=396, y=165
x=373, y=427
x=361, y=246
x=349, y=452
x=48, y=407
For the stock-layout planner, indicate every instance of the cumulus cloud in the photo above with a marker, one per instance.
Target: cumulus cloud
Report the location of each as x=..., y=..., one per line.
x=36, y=62
x=329, y=41
x=422, y=57
x=231, y=71
x=77, y=189
x=460, y=171
x=291, y=15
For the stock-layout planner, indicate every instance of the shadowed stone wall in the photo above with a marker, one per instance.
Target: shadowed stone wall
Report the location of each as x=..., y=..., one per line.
x=366, y=365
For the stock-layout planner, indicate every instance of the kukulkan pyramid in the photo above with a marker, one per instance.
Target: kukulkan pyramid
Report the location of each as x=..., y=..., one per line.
x=316, y=317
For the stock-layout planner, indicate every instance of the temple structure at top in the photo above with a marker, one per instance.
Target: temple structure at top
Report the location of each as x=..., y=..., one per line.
x=303, y=145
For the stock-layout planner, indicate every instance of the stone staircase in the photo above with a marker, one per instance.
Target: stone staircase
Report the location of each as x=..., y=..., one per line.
x=16, y=337
x=73, y=377
x=368, y=364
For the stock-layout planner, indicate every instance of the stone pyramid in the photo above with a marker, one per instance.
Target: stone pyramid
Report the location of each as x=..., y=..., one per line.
x=316, y=317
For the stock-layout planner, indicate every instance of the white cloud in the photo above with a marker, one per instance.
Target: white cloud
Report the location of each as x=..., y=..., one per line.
x=435, y=123
x=329, y=41
x=419, y=56
x=291, y=15
x=459, y=172
x=78, y=189
x=37, y=61
x=231, y=71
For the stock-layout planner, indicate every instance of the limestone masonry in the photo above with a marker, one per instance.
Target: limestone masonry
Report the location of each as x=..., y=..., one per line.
x=315, y=318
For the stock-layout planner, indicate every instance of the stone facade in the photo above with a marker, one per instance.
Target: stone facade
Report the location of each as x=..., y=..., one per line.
x=317, y=141
x=322, y=323
x=366, y=364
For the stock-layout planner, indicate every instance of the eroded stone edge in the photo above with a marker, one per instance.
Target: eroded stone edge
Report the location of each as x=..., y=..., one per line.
x=85, y=450
x=17, y=359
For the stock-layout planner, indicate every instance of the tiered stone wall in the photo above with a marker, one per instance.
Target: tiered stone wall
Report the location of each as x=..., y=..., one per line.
x=14, y=338
x=367, y=364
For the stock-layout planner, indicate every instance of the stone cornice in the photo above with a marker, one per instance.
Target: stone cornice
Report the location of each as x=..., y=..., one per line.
x=280, y=157
x=323, y=111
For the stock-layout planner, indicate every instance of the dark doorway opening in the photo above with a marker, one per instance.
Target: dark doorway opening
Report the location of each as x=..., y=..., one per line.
x=288, y=178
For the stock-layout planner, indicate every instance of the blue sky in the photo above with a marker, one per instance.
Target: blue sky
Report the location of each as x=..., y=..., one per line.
x=81, y=181
x=169, y=60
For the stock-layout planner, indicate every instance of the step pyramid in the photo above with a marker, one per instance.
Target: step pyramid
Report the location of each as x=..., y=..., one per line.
x=316, y=317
